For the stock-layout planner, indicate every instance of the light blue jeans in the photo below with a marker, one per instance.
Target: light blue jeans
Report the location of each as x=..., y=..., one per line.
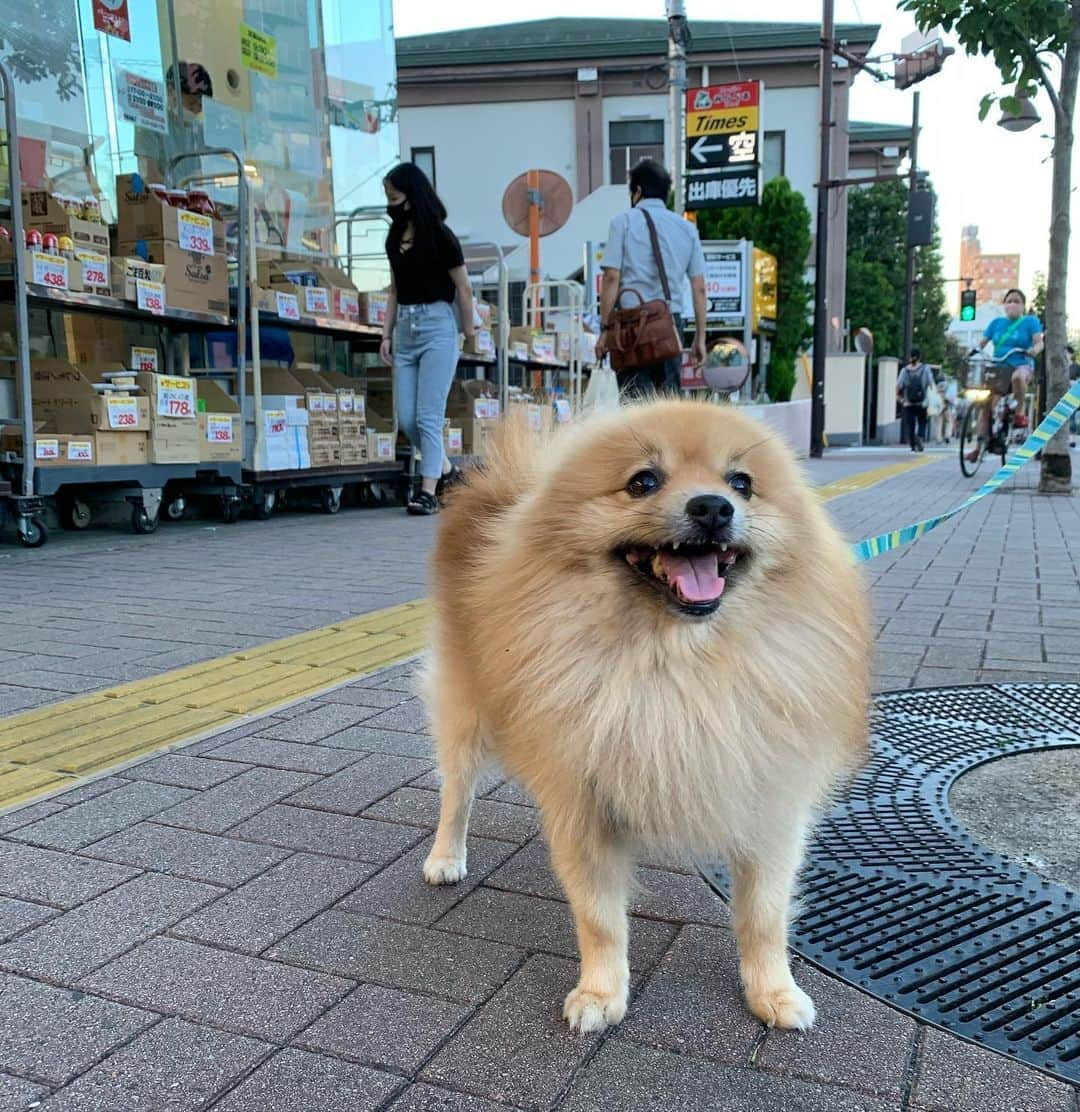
x=425, y=359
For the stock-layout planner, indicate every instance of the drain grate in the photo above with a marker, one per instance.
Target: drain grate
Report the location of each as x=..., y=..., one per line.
x=898, y=900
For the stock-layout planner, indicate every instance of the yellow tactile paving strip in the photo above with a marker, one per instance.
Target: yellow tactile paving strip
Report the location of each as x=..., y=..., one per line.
x=46, y=750
x=864, y=479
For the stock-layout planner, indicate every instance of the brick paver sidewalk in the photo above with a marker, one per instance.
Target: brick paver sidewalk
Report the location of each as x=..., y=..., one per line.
x=241, y=924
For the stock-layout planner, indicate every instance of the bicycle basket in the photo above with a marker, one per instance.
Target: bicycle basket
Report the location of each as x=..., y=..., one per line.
x=998, y=379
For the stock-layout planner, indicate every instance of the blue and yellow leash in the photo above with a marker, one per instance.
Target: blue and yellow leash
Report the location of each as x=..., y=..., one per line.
x=884, y=542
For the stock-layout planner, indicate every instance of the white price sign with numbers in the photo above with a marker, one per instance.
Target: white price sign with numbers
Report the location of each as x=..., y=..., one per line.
x=46, y=449
x=123, y=412
x=175, y=397
x=50, y=271
x=348, y=304
x=150, y=296
x=95, y=270
x=144, y=359
x=288, y=308
x=275, y=422
x=81, y=451
x=219, y=428
x=316, y=301
x=196, y=232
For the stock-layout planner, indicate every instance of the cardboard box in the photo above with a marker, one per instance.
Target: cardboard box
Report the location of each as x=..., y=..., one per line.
x=65, y=397
x=377, y=302
x=141, y=216
x=171, y=396
x=174, y=440
x=195, y=283
x=344, y=296
x=302, y=279
x=220, y=431
x=452, y=440
x=42, y=211
x=122, y=449
x=128, y=271
x=325, y=453
x=472, y=399
x=480, y=343
x=351, y=429
x=476, y=435
x=542, y=346
x=382, y=446
x=64, y=450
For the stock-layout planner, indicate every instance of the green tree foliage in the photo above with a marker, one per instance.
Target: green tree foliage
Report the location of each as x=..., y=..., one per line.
x=877, y=238
x=1035, y=45
x=781, y=226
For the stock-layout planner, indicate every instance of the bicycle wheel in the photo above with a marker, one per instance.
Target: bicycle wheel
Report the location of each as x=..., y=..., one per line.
x=970, y=442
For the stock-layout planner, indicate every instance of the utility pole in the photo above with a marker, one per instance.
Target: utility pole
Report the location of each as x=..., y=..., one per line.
x=676, y=17
x=821, y=240
x=909, y=281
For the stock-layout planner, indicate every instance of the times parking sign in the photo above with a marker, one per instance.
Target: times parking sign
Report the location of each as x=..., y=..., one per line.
x=723, y=138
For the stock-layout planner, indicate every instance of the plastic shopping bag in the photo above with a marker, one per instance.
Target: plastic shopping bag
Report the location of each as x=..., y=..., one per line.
x=602, y=393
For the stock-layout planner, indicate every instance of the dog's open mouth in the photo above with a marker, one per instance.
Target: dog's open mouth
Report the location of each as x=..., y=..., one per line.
x=692, y=576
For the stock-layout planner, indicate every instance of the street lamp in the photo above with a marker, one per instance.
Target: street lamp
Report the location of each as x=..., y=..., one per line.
x=1018, y=112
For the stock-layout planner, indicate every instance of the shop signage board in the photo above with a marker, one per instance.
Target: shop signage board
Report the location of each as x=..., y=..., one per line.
x=111, y=17
x=764, y=304
x=258, y=51
x=141, y=100
x=723, y=189
x=725, y=281
x=723, y=145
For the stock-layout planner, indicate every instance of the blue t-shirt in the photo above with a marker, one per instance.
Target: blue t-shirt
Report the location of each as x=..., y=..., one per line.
x=1008, y=334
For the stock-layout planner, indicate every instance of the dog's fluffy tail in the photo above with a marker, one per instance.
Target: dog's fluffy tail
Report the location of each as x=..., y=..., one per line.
x=506, y=473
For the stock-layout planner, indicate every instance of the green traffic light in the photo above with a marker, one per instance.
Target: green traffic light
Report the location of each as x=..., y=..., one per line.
x=967, y=312
x=967, y=304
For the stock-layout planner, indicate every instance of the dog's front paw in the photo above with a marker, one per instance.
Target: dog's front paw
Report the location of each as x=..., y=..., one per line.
x=788, y=1007
x=444, y=870
x=591, y=1011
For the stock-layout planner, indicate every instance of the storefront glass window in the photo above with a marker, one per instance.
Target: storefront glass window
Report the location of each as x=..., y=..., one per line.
x=303, y=90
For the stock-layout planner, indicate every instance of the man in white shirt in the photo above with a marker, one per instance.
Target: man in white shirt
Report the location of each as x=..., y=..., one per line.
x=629, y=264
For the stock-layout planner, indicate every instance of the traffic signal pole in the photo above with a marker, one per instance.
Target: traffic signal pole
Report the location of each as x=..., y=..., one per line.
x=821, y=240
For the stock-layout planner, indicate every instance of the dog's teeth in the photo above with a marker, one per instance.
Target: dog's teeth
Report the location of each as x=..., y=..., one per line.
x=675, y=547
x=723, y=548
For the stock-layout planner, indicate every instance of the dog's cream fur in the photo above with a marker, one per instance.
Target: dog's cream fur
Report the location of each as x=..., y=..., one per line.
x=631, y=724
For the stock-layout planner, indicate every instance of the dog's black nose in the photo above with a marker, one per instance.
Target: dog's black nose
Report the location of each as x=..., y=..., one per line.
x=711, y=512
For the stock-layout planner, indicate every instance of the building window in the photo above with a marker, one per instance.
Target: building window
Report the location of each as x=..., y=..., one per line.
x=773, y=155
x=630, y=141
x=424, y=157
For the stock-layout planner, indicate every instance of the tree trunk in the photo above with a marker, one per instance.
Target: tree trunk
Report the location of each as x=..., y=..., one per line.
x=1056, y=474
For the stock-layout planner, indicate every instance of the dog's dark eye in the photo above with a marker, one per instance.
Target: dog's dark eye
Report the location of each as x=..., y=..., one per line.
x=645, y=482
x=740, y=483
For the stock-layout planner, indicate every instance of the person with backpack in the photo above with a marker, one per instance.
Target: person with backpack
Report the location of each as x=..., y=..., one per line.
x=912, y=386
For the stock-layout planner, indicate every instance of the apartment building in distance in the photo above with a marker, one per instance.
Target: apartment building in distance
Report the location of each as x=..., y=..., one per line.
x=992, y=275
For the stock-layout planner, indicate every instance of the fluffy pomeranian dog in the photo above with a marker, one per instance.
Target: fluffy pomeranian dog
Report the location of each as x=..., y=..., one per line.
x=649, y=622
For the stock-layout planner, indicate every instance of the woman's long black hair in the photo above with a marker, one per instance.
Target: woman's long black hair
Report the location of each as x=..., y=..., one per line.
x=426, y=211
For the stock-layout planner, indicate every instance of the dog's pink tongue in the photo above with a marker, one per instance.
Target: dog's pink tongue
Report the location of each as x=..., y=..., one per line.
x=696, y=578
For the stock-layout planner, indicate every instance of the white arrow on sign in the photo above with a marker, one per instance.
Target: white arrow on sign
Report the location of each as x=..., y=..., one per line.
x=702, y=148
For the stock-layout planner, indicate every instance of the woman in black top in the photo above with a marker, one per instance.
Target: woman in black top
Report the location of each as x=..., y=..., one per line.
x=420, y=336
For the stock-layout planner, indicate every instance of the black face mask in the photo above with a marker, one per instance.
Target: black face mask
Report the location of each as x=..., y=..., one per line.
x=397, y=213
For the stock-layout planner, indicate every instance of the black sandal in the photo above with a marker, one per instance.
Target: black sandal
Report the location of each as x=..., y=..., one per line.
x=423, y=504
x=450, y=479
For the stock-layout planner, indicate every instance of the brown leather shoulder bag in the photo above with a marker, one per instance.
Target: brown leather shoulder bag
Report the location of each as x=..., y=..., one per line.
x=644, y=333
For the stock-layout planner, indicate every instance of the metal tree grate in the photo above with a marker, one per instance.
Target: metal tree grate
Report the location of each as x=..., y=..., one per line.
x=898, y=900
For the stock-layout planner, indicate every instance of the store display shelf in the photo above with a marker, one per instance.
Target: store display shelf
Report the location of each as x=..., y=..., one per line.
x=338, y=474
x=48, y=480
x=328, y=325
x=114, y=307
